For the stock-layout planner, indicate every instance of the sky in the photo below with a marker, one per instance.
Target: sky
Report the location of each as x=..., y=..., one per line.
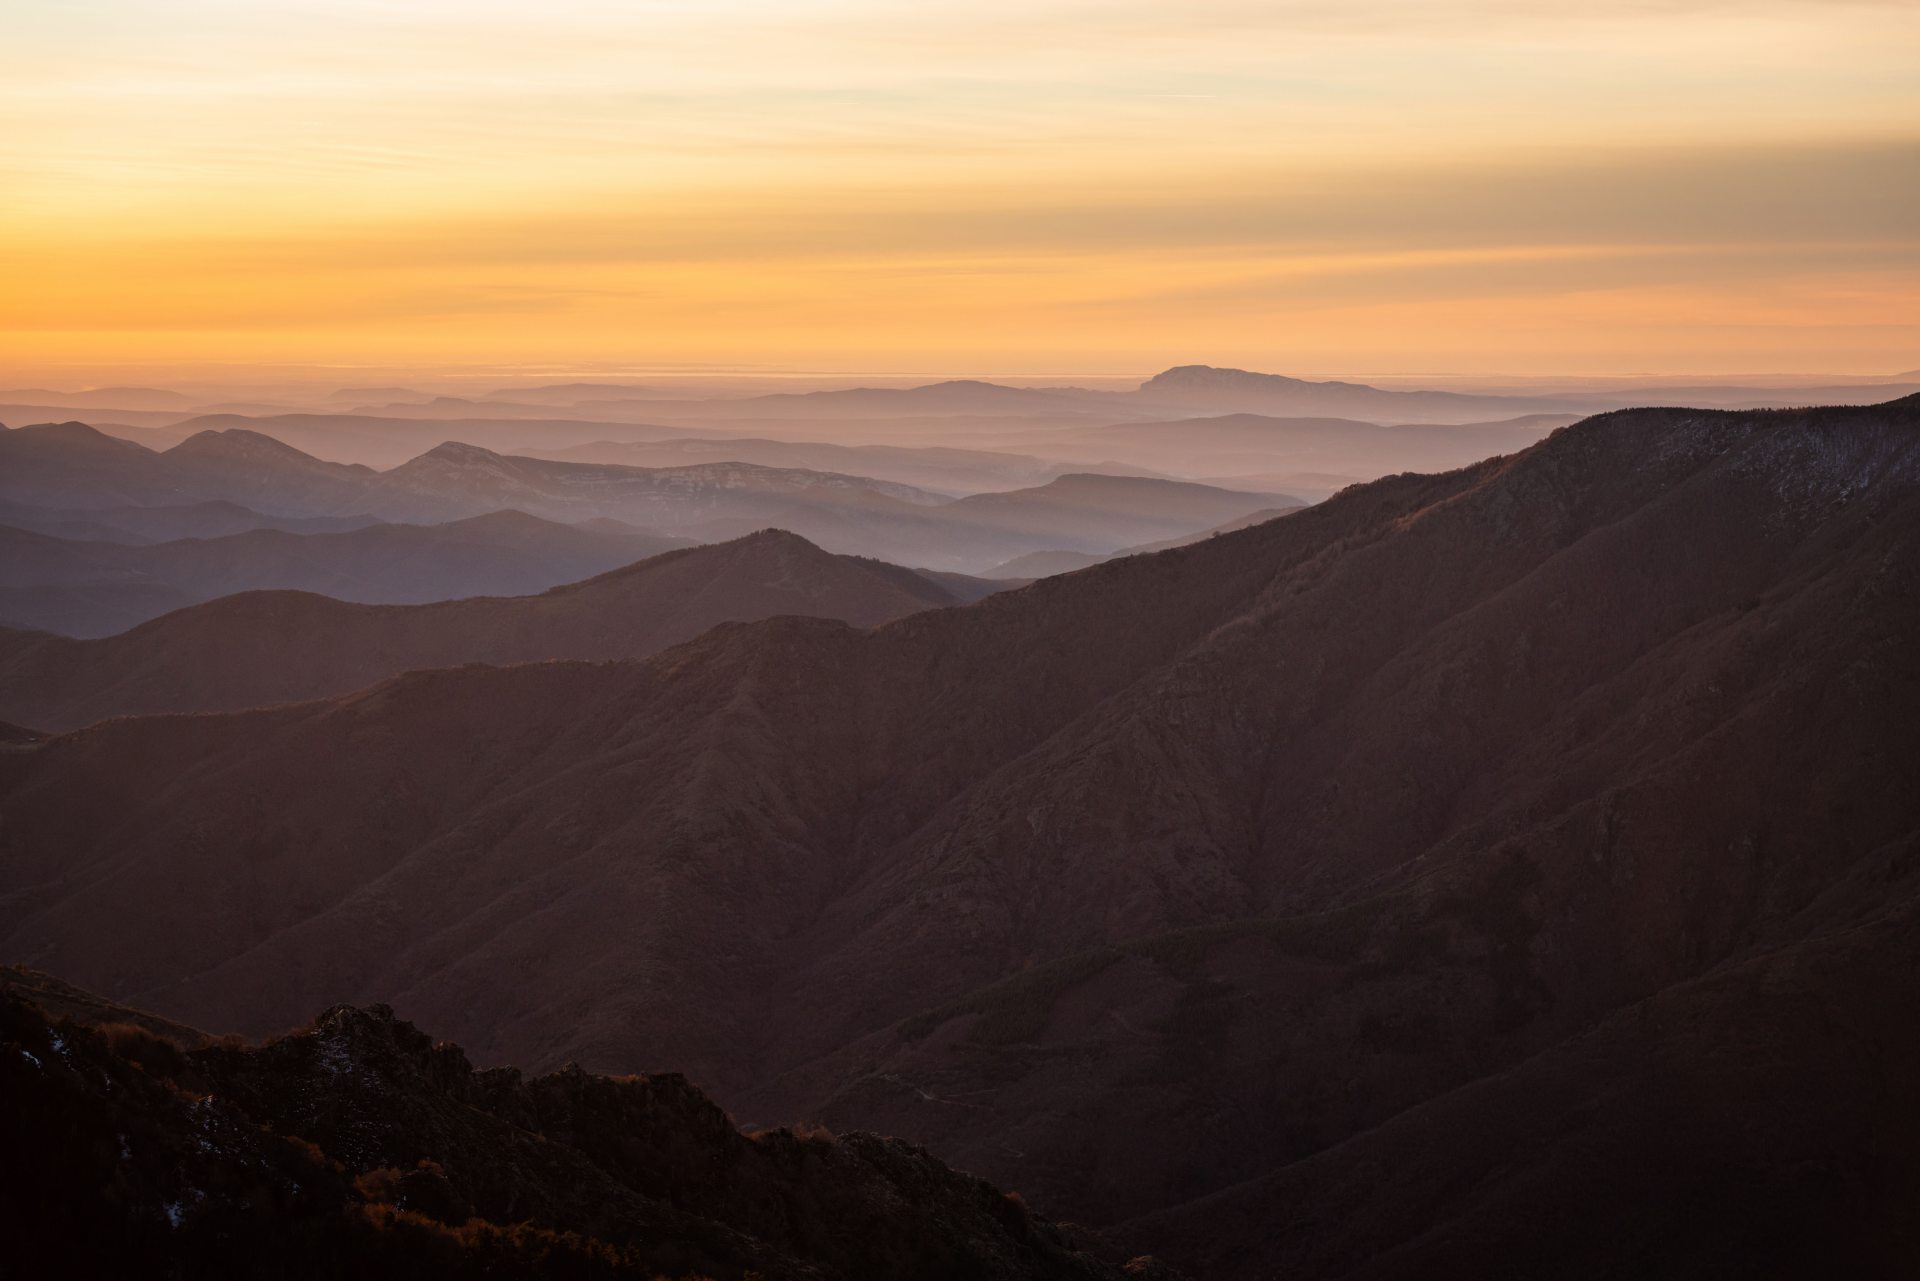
x=1302, y=186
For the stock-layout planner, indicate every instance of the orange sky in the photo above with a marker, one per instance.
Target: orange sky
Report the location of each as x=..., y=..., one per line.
x=1298, y=185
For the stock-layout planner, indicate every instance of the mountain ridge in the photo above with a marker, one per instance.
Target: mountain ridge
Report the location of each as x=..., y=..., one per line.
x=268, y=647
x=1499, y=754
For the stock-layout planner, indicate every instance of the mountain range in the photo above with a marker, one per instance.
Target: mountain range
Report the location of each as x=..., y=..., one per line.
x=1399, y=888
x=1186, y=388
x=937, y=468
x=386, y=439
x=72, y=465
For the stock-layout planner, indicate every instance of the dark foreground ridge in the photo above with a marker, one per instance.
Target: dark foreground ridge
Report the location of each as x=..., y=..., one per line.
x=358, y=1146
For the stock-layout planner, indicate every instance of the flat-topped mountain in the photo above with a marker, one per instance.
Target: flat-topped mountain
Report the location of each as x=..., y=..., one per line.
x=1254, y=444
x=1243, y=391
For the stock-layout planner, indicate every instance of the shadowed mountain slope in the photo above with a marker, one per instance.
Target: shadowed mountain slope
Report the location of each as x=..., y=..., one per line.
x=1138, y=885
x=266, y=647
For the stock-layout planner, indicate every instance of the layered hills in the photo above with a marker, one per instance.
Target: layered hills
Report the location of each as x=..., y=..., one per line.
x=1405, y=885
x=264, y=647
x=1186, y=388
x=132, y=525
x=938, y=468
x=71, y=465
x=390, y=435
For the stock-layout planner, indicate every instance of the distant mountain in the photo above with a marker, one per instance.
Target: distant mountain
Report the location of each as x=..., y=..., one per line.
x=456, y=478
x=362, y=395
x=359, y=1146
x=1309, y=486
x=1241, y=391
x=53, y=463
x=1257, y=443
x=569, y=393
x=101, y=397
x=1507, y=872
x=72, y=465
x=403, y=432
x=16, y=413
x=88, y=589
x=235, y=461
x=955, y=396
x=1094, y=512
x=958, y=471
x=156, y=438
x=850, y=514
x=266, y=647
x=1188, y=388
x=1047, y=563
x=1731, y=396
x=213, y=518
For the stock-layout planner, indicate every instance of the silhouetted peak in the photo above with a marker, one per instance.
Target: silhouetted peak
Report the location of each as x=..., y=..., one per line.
x=507, y=520
x=1110, y=483
x=968, y=384
x=454, y=451
x=238, y=442
x=75, y=433
x=771, y=537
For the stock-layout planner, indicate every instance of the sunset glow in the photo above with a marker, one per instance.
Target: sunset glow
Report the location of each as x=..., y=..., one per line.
x=1661, y=185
